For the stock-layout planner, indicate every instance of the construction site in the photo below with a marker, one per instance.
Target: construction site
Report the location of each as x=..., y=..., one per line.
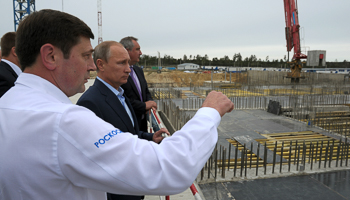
x=280, y=132
x=287, y=137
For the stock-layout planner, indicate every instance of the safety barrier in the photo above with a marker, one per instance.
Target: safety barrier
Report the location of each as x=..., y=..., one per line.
x=195, y=192
x=155, y=117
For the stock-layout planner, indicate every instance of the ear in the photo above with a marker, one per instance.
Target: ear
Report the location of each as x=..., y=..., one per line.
x=13, y=51
x=100, y=65
x=49, y=56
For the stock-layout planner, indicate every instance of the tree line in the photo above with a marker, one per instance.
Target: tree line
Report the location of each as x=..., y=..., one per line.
x=236, y=60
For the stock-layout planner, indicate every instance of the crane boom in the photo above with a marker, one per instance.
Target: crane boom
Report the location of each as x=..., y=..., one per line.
x=293, y=38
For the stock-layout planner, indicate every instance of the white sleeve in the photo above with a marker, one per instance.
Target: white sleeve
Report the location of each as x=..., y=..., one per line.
x=93, y=154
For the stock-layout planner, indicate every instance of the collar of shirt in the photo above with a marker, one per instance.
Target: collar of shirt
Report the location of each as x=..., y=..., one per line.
x=38, y=83
x=118, y=92
x=13, y=66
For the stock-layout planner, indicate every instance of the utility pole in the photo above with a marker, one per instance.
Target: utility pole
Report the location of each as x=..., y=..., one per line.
x=99, y=21
x=159, y=61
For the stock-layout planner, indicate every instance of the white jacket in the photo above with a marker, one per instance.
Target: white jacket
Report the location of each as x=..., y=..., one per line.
x=53, y=149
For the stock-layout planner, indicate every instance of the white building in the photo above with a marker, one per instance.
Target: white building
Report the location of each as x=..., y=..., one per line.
x=188, y=66
x=316, y=58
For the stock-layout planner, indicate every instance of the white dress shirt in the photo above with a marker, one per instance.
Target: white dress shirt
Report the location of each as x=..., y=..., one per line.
x=53, y=149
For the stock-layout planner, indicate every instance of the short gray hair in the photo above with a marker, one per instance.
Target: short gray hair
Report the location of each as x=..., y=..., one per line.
x=102, y=51
x=127, y=42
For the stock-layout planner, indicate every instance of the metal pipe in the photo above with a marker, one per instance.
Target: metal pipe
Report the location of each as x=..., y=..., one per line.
x=216, y=163
x=202, y=173
x=347, y=152
x=257, y=160
x=298, y=158
x=326, y=156
x=342, y=153
x=303, y=156
x=245, y=167
x=210, y=165
x=289, y=157
x=310, y=160
x=319, y=162
x=274, y=159
x=330, y=155
x=265, y=158
x=312, y=155
x=242, y=160
x=338, y=152
x=316, y=152
x=296, y=148
x=251, y=155
x=235, y=167
x=223, y=163
x=220, y=155
x=281, y=158
x=229, y=156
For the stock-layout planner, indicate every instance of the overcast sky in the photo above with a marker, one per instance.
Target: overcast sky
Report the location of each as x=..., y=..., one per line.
x=213, y=27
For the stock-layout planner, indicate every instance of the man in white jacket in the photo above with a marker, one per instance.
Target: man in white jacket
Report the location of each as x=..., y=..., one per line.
x=53, y=149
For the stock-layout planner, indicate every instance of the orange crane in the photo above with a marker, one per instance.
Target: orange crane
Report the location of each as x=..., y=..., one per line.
x=293, y=39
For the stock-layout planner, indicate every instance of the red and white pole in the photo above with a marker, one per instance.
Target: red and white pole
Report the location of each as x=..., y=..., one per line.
x=193, y=188
x=195, y=192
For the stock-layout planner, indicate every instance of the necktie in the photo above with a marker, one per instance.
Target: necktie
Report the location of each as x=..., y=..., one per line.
x=136, y=81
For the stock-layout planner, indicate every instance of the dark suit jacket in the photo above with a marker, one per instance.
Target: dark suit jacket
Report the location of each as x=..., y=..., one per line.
x=131, y=92
x=106, y=105
x=7, y=77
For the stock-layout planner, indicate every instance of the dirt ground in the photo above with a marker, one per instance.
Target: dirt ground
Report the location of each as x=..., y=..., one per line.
x=180, y=78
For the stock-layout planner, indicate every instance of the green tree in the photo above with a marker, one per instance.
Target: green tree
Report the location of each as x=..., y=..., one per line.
x=185, y=58
x=205, y=59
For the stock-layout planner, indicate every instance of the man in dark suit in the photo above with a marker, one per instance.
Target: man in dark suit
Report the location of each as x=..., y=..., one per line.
x=9, y=65
x=105, y=97
x=136, y=88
